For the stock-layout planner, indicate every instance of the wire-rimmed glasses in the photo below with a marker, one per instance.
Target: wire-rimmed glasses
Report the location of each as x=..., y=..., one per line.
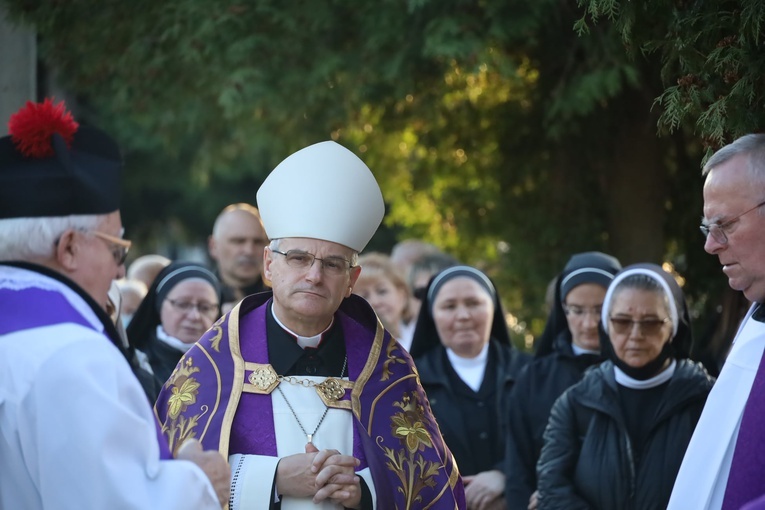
x=717, y=230
x=299, y=259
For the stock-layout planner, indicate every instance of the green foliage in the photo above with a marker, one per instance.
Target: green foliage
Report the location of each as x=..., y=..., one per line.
x=495, y=131
x=712, y=61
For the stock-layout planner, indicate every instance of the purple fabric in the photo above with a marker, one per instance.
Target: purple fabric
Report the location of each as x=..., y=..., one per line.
x=164, y=450
x=758, y=504
x=746, y=480
x=395, y=433
x=253, y=428
x=15, y=306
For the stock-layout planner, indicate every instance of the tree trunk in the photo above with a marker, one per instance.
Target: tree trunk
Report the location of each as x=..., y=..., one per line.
x=637, y=185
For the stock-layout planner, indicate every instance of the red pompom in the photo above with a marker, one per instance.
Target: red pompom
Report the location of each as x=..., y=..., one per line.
x=32, y=128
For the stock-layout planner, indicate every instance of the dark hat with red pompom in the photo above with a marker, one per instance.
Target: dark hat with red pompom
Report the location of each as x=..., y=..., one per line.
x=51, y=166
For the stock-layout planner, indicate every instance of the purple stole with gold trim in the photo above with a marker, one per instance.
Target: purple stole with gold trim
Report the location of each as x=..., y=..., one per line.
x=210, y=397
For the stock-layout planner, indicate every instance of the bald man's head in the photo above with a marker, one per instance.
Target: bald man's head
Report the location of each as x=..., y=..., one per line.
x=237, y=244
x=146, y=268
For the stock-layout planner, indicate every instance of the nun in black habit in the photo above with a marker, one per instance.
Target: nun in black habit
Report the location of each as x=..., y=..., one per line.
x=181, y=304
x=467, y=365
x=616, y=439
x=569, y=345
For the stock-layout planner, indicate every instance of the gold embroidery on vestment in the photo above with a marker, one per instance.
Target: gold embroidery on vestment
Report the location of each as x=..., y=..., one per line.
x=406, y=461
x=184, y=390
x=237, y=381
x=263, y=380
x=217, y=390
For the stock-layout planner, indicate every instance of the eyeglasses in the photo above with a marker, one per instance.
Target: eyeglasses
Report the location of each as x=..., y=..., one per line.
x=717, y=230
x=206, y=309
x=581, y=312
x=334, y=266
x=119, y=246
x=648, y=327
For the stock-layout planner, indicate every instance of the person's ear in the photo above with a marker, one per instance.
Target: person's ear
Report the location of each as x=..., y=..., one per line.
x=268, y=258
x=67, y=250
x=355, y=272
x=211, y=248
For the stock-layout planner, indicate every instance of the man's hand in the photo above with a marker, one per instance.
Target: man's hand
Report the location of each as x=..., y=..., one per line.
x=319, y=475
x=295, y=476
x=336, y=478
x=212, y=463
x=483, y=489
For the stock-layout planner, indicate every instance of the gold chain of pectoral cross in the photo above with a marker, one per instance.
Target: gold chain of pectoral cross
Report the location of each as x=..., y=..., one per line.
x=307, y=383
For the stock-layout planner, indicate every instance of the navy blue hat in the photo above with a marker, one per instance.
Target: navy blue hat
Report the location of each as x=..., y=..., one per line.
x=51, y=166
x=587, y=267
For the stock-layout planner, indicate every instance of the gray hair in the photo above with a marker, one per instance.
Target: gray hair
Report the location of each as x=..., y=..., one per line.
x=32, y=238
x=276, y=243
x=748, y=145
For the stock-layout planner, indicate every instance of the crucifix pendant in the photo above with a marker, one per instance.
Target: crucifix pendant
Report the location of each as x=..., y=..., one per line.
x=310, y=437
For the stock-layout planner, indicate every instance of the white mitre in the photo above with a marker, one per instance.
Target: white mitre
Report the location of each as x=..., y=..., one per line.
x=322, y=192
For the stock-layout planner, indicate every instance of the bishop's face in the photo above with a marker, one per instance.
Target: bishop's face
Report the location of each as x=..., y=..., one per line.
x=306, y=298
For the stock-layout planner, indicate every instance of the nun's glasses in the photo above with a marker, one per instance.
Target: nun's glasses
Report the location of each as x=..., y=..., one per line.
x=580, y=312
x=717, y=230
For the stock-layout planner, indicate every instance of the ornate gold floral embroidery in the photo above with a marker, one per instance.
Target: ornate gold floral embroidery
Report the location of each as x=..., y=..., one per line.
x=386, y=371
x=415, y=434
x=182, y=396
x=215, y=342
x=264, y=378
x=414, y=472
x=184, y=390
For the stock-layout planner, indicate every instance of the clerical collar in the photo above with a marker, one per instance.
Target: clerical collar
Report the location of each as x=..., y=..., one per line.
x=470, y=370
x=303, y=341
x=173, y=342
x=637, y=384
x=579, y=350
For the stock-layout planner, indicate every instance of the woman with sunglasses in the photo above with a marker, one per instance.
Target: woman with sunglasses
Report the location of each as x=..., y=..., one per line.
x=569, y=345
x=617, y=438
x=182, y=303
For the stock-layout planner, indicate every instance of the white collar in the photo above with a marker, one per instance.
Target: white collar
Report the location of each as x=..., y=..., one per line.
x=173, y=342
x=303, y=341
x=580, y=350
x=636, y=384
x=470, y=370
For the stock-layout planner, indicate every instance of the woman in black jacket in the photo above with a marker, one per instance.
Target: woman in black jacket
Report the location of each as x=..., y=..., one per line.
x=569, y=345
x=467, y=365
x=616, y=439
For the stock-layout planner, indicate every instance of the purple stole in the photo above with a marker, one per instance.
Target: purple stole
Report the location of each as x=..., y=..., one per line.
x=21, y=308
x=395, y=434
x=746, y=479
